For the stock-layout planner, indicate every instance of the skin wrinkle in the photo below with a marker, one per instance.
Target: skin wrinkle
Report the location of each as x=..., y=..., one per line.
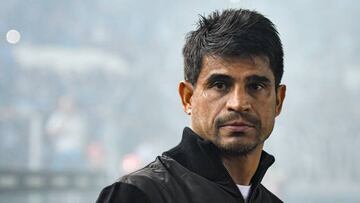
x=253, y=117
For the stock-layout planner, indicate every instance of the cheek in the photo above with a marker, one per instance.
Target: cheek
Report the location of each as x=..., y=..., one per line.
x=267, y=115
x=206, y=108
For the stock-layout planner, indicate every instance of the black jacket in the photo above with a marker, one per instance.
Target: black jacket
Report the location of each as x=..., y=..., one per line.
x=192, y=172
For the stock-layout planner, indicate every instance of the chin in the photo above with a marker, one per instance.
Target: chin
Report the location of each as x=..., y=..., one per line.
x=236, y=148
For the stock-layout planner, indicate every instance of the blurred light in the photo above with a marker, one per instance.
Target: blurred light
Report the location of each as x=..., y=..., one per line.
x=8, y=181
x=77, y=59
x=13, y=36
x=82, y=182
x=352, y=78
x=35, y=182
x=130, y=163
x=60, y=181
x=235, y=1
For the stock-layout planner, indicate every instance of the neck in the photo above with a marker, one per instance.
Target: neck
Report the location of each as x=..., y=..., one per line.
x=243, y=168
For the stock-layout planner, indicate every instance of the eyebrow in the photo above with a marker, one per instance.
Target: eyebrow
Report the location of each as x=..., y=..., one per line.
x=218, y=77
x=226, y=78
x=258, y=78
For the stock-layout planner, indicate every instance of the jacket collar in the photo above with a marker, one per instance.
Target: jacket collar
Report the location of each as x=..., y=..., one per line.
x=201, y=157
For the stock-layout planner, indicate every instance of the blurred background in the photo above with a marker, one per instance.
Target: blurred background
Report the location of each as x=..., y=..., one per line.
x=88, y=92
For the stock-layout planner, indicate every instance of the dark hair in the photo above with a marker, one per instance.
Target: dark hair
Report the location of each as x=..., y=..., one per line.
x=232, y=33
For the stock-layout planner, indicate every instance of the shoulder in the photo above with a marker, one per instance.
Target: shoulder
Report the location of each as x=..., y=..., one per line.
x=139, y=186
x=122, y=193
x=153, y=172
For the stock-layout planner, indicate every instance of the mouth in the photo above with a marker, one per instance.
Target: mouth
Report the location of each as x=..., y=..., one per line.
x=237, y=127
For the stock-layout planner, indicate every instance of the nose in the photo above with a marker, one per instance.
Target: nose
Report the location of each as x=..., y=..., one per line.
x=239, y=100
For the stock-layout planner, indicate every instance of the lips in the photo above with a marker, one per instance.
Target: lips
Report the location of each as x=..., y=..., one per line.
x=237, y=126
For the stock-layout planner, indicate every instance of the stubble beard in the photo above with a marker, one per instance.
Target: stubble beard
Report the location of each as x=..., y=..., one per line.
x=236, y=149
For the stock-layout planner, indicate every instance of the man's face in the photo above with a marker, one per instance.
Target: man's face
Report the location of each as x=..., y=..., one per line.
x=234, y=103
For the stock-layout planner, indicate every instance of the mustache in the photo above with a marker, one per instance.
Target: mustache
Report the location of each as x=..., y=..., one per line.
x=235, y=116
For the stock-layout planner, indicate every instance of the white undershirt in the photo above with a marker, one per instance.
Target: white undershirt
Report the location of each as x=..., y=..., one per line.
x=245, y=190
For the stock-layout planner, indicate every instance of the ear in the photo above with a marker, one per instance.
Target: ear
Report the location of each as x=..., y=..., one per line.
x=186, y=91
x=280, y=96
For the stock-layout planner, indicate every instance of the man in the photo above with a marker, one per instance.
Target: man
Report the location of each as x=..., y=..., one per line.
x=232, y=92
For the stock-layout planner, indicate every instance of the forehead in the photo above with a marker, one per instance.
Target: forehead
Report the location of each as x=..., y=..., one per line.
x=236, y=67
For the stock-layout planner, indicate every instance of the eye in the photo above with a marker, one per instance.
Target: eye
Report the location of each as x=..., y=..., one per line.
x=220, y=85
x=256, y=86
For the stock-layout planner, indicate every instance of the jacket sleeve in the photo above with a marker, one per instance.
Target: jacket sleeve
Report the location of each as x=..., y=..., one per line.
x=122, y=193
